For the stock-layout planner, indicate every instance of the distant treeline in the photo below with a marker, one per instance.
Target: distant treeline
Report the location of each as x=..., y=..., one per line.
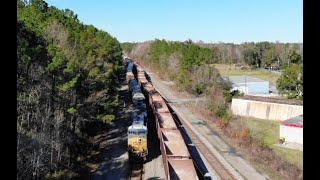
x=190, y=64
x=66, y=82
x=260, y=54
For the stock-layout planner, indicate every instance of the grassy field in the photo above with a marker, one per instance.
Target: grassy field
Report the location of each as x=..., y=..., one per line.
x=227, y=70
x=291, y=155
x=264, y=130
x=268, y=133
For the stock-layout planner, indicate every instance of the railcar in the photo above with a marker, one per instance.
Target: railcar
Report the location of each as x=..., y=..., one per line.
x=129, y=66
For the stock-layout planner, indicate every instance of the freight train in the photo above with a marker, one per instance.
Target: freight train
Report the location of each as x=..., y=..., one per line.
x=177, y=161
x=137, y=132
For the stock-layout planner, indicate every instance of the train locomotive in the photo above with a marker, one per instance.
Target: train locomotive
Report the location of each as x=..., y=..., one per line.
x=137, y=132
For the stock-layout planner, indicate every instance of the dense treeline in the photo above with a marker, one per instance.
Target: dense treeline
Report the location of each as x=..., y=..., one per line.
x=260, y=54
x=256, y=55
x=186, y=63
x=66, y=81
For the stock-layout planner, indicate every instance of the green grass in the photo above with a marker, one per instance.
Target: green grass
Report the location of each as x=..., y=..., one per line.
x=293, y=156
x=227, y=70
x=264, y=130
x=267, y=132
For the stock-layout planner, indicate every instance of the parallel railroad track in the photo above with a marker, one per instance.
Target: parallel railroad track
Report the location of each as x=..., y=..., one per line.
x=221, y=171
x=211, y=159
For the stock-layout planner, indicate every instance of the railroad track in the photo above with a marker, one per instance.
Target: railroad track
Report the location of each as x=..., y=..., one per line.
x=211, y=159
x=136, y=171
x=221, y=171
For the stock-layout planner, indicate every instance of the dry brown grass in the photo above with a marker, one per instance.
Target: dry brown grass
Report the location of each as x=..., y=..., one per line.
x=263, y=155
x=238, y=136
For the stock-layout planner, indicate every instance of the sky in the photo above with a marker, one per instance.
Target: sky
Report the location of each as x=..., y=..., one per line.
x=233, y=21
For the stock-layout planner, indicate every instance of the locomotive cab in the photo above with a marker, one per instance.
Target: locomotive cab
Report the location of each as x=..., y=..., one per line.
x=137, y=141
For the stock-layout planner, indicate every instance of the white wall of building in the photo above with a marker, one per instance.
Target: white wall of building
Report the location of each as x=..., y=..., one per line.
x=291, y=134
x=259, y=109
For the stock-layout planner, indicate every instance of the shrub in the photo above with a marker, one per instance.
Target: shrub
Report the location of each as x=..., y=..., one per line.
x=263, y=144
x=62, y=174
x=281, y=140
x=245, y=133
x=222, y=112
x=228, y=96
x=106, y=118
x=199, y=89
x=72, y=110
x=237, y=93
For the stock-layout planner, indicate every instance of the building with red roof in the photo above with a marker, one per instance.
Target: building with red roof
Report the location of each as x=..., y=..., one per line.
x=292, y=130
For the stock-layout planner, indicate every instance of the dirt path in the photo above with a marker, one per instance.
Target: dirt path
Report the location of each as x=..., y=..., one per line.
x=115, y=163
x=233, y=161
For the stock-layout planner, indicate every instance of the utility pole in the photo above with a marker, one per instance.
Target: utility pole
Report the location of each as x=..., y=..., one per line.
x=245, y=84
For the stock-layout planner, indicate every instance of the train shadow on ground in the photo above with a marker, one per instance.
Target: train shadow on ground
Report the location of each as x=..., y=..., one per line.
x=153, y=140
x=199, y=164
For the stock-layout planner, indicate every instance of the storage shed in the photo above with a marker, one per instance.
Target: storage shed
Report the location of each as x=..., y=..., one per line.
x=249, y=85
x=292, y=130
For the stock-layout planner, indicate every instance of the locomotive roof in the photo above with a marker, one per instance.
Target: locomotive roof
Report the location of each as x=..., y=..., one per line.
x=139, y=122
x=138, y=96
x=137, y=126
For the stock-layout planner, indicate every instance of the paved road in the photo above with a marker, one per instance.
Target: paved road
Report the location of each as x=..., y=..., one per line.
x=234, y=162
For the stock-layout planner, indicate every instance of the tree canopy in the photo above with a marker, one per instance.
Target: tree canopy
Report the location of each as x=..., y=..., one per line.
x=290, y=82
x=66, y=80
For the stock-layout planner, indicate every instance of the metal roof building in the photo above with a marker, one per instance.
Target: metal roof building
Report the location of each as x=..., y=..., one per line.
x=249, y=85
x=294, y=122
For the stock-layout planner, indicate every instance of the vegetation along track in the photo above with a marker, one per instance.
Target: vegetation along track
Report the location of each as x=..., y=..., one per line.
x=136, y=171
